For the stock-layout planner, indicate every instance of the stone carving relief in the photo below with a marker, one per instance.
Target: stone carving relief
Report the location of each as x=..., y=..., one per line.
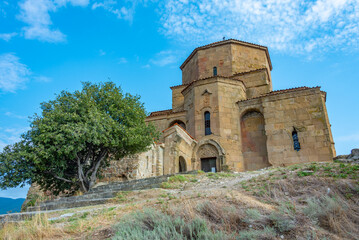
x=206, y=98
x=207, y=151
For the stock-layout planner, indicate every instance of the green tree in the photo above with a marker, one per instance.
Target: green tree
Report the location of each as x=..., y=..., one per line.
x=76, y=135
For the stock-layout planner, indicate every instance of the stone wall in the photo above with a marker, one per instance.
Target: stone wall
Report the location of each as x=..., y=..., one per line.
x=179, y=144
x=164, y=121
x=219, y=57
x=143, y=165
x=257, y=82
x=302, y=110
x=190, y=71
x=247, y=58
x=254, y=141
x=177, y=98
x=230, y=58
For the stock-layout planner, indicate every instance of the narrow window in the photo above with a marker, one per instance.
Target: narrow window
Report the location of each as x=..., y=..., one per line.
x=214, y=71
x=207, y=123
x=296, y=143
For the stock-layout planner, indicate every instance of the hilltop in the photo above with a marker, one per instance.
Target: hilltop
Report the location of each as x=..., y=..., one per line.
x=305, y=201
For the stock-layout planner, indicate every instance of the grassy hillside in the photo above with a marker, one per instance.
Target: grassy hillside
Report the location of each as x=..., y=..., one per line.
x=308, y=201
x=10, y=205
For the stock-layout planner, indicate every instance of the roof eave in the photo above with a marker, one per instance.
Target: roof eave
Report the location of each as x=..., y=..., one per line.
x=235, y=41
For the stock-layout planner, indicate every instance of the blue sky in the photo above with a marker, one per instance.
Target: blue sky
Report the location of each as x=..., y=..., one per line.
x=51, y=45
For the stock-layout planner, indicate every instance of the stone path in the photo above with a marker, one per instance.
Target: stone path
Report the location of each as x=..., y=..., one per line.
x=102, y=194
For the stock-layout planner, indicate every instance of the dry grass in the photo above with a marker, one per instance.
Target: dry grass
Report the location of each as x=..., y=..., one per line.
x=311, y=201
x=36, y=228
x=326, y=193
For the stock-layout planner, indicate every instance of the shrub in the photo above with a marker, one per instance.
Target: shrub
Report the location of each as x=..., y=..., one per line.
x=265, y=233
x=334, y=214
x=178, y=178
x=151, y=224
x=212, y=175
x=166, y=185
x=304, y=173
x=284, y=219
x=122, y=196
x=320, y=208
x=252, y=215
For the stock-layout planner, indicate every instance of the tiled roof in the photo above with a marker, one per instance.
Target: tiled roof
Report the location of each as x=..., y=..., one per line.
x=212, y=77
x=251, y=71
x=282, y=91
x=176, y=124
x=158, y=113
x=219, y=43
x=182, y=85
x=163, y=112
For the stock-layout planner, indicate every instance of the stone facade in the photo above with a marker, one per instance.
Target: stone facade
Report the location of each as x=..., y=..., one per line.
x=249, y=125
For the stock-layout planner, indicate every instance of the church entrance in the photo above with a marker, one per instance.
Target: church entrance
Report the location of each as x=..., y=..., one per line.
x=208, y=164
x=182, y=165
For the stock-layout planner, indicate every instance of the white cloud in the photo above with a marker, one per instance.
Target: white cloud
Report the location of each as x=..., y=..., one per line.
x=42, y=79
x=14, y=75
x=7, y=36
x=3, y=6
x=122, y=60
x=13, y=115
x=125, y=10
x=164, y=58
x=36, y=14
x=101, y=52
x=11, y=135
x=283, y=25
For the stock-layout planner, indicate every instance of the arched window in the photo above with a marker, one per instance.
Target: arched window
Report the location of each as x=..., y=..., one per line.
x=214, y=71
x=296, y=143
x=207, y=123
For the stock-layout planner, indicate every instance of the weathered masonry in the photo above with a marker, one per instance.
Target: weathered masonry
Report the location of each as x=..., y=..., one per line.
x=225, y=115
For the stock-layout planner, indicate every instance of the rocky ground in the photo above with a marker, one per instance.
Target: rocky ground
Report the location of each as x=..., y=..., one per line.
x=307, y=201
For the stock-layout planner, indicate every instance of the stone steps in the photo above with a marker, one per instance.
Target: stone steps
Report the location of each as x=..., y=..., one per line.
x=68, y=204
x=100, y=194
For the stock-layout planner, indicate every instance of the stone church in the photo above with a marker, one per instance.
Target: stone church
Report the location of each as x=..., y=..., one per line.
x=226, y=116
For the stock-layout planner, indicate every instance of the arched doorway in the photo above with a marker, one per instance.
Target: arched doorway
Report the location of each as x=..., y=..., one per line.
x=182, y=167
x=179, y=122
x=254, y=141
x=208, y=155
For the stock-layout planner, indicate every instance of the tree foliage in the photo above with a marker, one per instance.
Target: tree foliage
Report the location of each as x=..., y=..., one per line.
x=76, y=135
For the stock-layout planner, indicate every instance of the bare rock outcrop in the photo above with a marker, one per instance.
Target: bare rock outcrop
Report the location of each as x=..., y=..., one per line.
x=353, y=157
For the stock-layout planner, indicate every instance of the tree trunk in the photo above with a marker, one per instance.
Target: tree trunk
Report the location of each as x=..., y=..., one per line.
x=92, y=180
x=83, y=186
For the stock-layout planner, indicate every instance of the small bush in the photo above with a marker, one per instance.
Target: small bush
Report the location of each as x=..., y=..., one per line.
x=305, y=173
x=265, y=233
x=155, y=225
x=122, y=196
x=178, y=178
x=225, y=174
x=212, y=175
x=284, y=219
x=252, y=215
x=335, y=215
x=281, y=222
x=167, y=185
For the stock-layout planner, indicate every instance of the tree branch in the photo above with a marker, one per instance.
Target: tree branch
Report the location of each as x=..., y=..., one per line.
x=80, y=173
x=57, y=177
x=98, y=163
